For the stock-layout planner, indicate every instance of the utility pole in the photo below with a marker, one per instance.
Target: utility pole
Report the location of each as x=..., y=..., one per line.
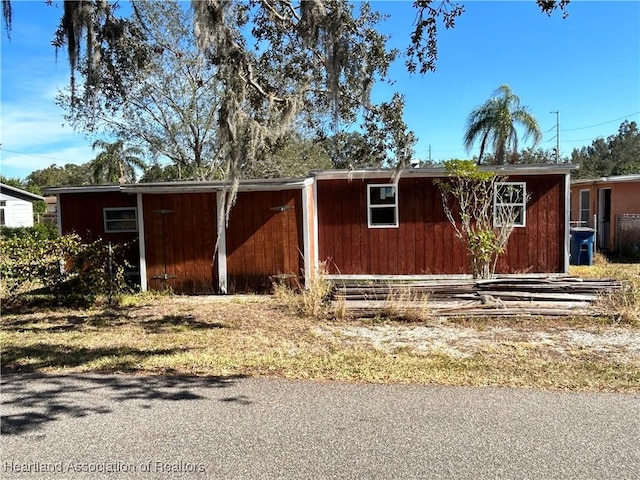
x=557, y=135
x=429, y=154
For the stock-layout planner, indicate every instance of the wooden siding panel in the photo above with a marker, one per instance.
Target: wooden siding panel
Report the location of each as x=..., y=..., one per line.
x=182, y=247
x=536, y=239
x=426, y=233
x=555, y=216
x=438, y=240
x=169, y=238
x=263, y=242
x=153, y=238
x=255, y=260
x=420, y=222
x=296, y=233
x=83, y=213
x=425, y=242
x=201, y=270
x=177, y=253
x=405, y=217
x=544, y=230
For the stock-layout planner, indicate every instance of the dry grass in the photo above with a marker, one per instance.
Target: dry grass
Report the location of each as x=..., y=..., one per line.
x=624, y=304
x=314, y=301
x=301, y=335
x=406, y=305
x=258, y=336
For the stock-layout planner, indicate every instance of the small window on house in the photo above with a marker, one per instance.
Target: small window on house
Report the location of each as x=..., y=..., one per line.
x=124, y=219
x=585, y=211
x=571, y=209
x=382, y=203
x=510, y=204
x=3, y=204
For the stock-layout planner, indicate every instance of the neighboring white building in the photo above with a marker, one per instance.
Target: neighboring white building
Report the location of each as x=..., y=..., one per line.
x=16, y=206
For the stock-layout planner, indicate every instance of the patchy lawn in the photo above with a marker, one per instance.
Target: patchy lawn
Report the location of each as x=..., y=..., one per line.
x=258, y=336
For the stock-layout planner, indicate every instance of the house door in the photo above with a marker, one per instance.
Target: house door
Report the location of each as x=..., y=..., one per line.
x=604, y=217
x=180, y=237
x=264, y=240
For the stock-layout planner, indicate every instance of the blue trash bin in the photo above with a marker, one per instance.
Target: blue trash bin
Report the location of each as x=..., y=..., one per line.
x=582, y=242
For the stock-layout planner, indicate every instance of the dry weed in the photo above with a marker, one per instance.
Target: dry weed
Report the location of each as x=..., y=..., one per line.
x=313, y=300
x=402, y=303
x=621, y=304
x=254, y=336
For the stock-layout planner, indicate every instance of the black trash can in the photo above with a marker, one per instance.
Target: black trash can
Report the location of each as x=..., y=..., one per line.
x=582, y=243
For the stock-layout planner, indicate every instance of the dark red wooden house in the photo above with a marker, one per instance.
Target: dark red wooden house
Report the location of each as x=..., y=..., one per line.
x=359, y=223
x=173, y=228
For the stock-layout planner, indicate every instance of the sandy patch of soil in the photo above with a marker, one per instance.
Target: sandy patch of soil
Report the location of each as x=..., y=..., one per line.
x=617, y=343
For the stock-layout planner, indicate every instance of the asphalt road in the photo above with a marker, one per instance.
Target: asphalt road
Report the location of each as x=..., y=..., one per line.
x=128, y=427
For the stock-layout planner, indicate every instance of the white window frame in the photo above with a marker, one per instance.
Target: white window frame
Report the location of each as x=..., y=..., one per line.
x=3, y=214
x=583, y=208
x=522, y=204
x=371, y=207
x=112, y=209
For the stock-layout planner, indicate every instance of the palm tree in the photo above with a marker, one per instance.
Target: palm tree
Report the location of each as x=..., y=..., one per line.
x=116, y=164
x=494, y=122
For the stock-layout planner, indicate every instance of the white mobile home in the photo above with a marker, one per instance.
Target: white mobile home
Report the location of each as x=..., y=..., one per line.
x=16, y=206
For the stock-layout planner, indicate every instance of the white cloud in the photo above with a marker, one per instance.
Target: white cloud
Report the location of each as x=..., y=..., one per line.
x=22, y=164
x=28, y=127
x=33, y=132
x=34, y=136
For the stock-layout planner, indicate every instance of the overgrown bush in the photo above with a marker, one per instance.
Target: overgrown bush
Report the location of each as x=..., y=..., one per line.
x=64, y=268
x=40, y=231
x=468, y=201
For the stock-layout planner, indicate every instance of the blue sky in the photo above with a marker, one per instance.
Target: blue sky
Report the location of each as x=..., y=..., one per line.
x=586, y=66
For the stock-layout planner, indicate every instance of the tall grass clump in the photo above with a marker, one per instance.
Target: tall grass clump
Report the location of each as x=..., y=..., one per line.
x=622, y=304
x=313, y=300
x=402, y=303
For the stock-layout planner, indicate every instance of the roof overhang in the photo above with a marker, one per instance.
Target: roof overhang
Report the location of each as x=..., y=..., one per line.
x=437, y=172
x=614, y=179
x=189, y=187
x=82, y=189
x=19, y=193
x=261, y=185
x=278, y=184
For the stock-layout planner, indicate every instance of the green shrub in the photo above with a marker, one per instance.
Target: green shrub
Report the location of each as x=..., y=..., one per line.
x=40, y=231
x=468, y=202
x=65, y=268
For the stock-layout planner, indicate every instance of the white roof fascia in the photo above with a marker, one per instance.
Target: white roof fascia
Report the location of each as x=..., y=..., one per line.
x=441, y=172
x=19, y=193
x=82, y=189
x=196, y=187
x=185, y=187
x=613, y=179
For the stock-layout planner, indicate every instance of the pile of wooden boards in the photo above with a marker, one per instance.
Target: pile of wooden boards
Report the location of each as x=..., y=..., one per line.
x=509, y=295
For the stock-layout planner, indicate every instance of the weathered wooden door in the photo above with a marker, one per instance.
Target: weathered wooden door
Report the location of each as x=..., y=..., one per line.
x=180, y=235
x=264, y=240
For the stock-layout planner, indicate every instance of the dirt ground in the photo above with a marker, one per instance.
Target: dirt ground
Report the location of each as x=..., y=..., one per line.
x=262, y=336
x=465, y=338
